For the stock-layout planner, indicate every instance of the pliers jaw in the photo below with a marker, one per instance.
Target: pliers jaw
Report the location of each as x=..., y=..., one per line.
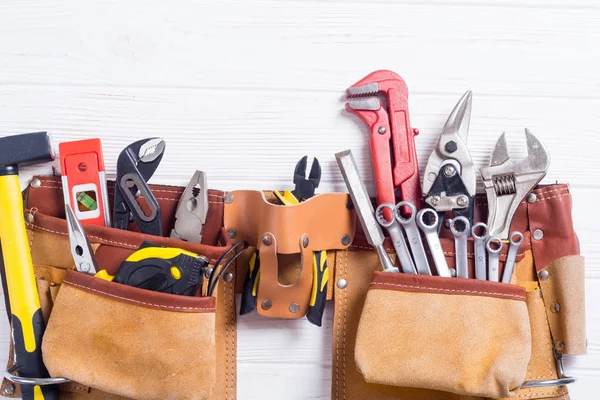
x=449, y=181
x=305, y=187
x=380, y=100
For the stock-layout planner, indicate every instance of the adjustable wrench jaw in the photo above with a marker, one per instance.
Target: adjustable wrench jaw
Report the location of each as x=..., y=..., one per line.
x=389, y=127
x=507, y=182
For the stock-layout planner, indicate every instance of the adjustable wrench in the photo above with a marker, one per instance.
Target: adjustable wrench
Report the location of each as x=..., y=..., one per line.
x=479, y=244
x=427, y=219
x=389, y=128
x=516, y=238
x=395, y=232
x=460, y=228
x=494, y=247
x=507, y=182
x=414, y=236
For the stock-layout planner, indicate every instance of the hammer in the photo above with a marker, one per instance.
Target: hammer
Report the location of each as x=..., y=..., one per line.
x=26, y=315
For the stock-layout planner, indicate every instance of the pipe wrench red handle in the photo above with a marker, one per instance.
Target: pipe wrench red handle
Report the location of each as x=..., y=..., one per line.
x=392, y=141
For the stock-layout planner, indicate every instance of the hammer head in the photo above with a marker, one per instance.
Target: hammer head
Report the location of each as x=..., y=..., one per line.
x=26, y=149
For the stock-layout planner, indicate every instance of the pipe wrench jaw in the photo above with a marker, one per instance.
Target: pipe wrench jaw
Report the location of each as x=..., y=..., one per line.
x=507, y=182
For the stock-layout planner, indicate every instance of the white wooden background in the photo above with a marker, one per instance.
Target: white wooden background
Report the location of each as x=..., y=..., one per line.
x=242, y=89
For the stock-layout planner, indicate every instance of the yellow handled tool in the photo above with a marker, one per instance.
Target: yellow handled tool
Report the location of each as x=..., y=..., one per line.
x=27, y=322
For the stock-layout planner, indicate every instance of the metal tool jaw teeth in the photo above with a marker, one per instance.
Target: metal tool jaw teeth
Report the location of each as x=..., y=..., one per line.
x=370, y=89
x=314, y=175
x=151, y=150
x=366, y=103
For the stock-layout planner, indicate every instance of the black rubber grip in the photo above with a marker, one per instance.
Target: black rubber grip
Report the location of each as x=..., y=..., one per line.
x=248, y=298
x=30, y=364
x=316, y=310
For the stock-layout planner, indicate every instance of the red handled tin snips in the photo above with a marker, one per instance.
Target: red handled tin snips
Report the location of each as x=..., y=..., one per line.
x=381, y=100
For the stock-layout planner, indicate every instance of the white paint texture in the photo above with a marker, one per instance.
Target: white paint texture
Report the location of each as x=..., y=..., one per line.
x=242, y=89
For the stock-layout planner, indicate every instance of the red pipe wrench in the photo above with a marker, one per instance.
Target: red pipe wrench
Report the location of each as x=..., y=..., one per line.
x=392, y=139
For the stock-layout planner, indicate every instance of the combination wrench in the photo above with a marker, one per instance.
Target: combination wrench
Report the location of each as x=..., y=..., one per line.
x=494, y=247
x=512, y=255
x=460, y=228
x=395, y=232
x=427, y=220
x=479, y=233
x=414, y=236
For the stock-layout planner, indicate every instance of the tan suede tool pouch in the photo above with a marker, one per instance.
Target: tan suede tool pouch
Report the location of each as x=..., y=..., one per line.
x=149, y=339
x=454, y=335
x=116, y=342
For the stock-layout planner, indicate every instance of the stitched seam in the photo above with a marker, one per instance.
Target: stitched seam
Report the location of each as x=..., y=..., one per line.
x=447, y=253
x=337, y=347
x=535, y=394
x=344, y=329
x=139, y=302
x=101, y=240
x=553, y=197
x=560, y=189
x=227, y=355
x=375, y=284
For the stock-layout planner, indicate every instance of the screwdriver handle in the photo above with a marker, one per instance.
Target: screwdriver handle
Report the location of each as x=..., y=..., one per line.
x=26, y=314
x=250, y=289
x=318, y=296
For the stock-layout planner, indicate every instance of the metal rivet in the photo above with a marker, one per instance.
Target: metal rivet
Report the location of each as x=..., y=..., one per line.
x=228, y=277
x=559, y=346
x=342, y=283
x=462, y=201
x=453, y=272
x=267, y=240
x=349, y=205
x=435, y=200
x=544, y=275
x=531, y=198
x=294, y=308
x=9, y=388
x=266, y=304
x=228, y=198
x=382, y=130
x=538, y=234
x=305, y=243
x=556, y=308
x=207, y=272
x=346, y=240
x=232, y=233
x=451, y=146
x=449, y=170
x=36, y=183
x=29, y=218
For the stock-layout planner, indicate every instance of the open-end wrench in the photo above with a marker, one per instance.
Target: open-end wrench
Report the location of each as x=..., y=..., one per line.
x=479, y=233
x=413, y=235
x=516, y=238
x=494, y=247
x=364, y=208
x=460, y=228
x=397, y=237
x=427, y=220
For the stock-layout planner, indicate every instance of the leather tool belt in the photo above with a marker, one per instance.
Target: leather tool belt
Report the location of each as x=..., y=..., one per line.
x=395, y=336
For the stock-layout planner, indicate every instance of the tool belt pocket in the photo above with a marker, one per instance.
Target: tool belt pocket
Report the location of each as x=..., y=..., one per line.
x=134, y=342
x=455, y=335
x=281, y=282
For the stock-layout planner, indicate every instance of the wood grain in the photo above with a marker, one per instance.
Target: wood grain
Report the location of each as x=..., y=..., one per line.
x=243, y=89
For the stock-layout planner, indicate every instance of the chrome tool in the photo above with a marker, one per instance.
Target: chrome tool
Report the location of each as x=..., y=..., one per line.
x=428, y=221
x=397, y=237
x=460, y=228
x=516, y=238
x=413, y=235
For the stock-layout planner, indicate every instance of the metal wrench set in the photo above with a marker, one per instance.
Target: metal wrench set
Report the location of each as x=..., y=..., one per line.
x=449, y=185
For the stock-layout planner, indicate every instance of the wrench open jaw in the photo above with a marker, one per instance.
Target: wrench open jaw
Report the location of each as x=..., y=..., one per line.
x=507, y=181
x=393, y=152
x=449, y=181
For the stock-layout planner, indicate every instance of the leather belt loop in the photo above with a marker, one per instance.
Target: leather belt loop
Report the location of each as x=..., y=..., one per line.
x=283, y=301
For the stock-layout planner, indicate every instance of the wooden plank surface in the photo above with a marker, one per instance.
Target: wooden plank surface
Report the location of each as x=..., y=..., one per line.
x=243, y=89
